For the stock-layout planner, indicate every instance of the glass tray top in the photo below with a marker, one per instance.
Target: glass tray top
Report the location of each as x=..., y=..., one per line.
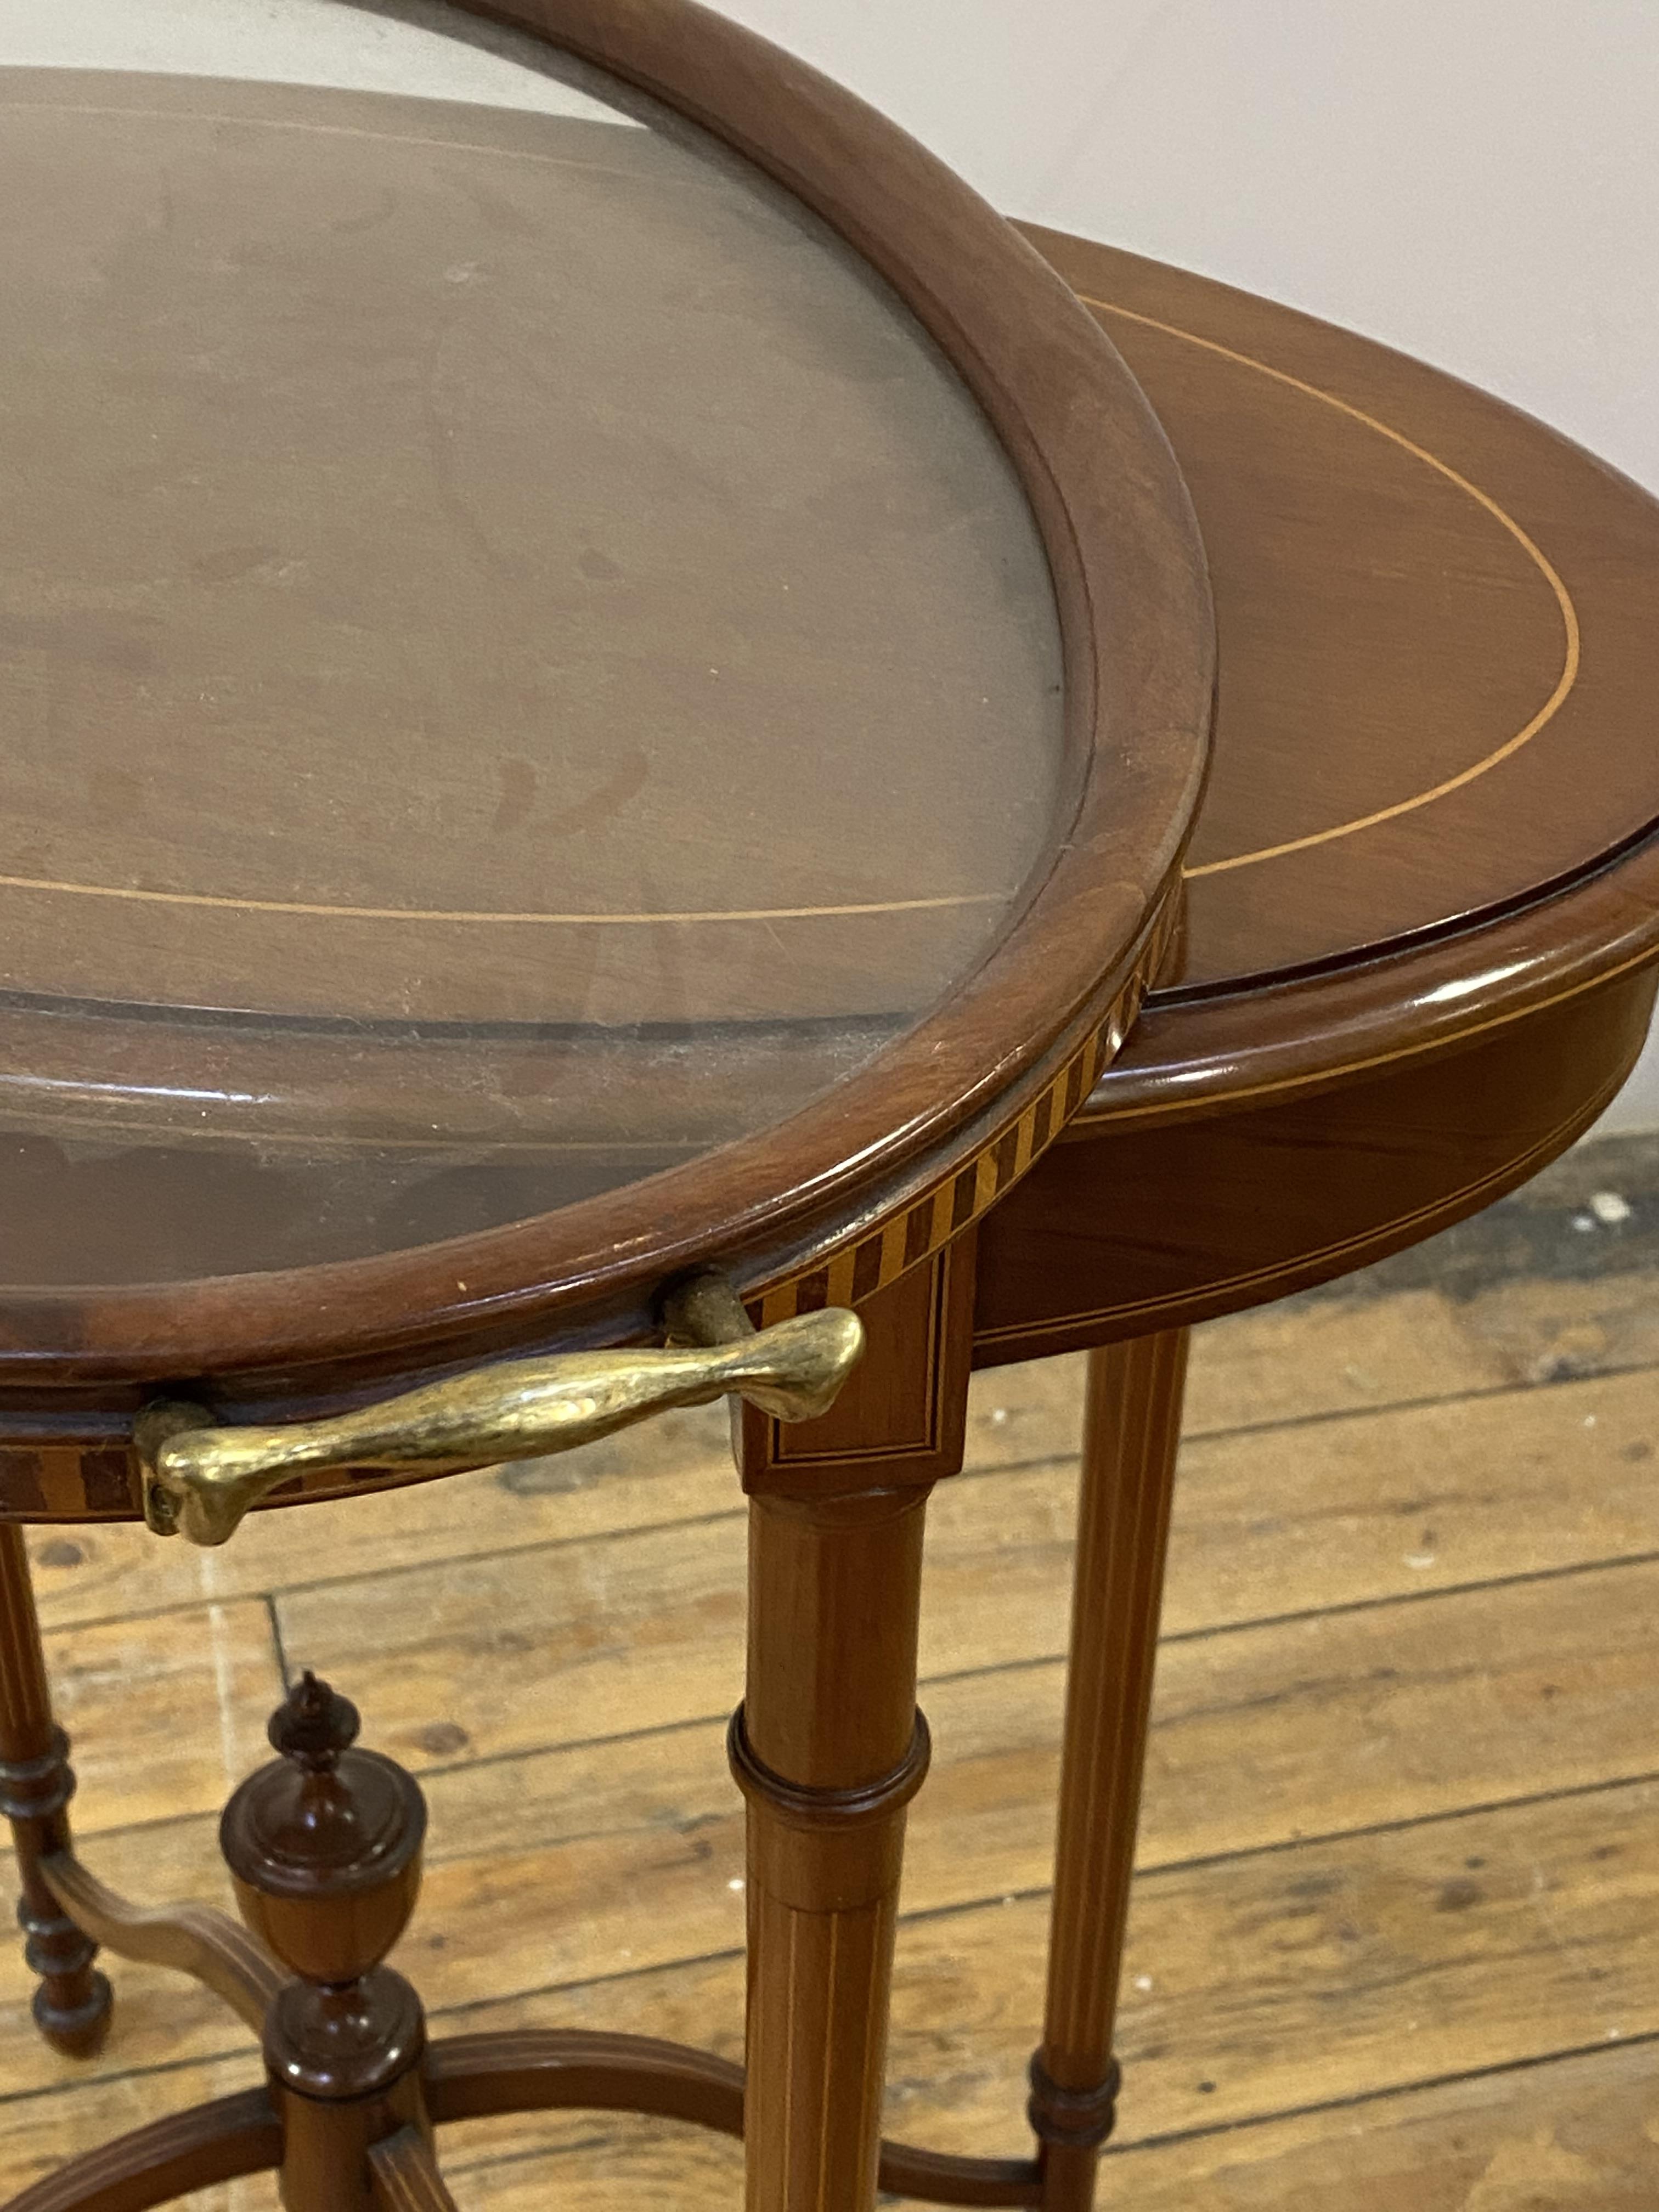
x=519, y=660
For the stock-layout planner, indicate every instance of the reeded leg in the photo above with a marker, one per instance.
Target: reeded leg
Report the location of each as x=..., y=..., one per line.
x=72, y=2003
x=1131, y=1429
x=829, y=1746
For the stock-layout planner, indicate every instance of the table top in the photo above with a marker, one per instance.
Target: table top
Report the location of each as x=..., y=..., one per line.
x=530, y=663
x=1422, y=934
x=1434, y=788
x=472, y=567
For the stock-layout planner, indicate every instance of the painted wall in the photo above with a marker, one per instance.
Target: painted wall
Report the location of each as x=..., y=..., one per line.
x=362, y=49
x=1474, y=180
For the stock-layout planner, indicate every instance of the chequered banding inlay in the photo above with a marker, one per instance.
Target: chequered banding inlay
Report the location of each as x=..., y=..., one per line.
x=907, y=1238
x=882, y=1255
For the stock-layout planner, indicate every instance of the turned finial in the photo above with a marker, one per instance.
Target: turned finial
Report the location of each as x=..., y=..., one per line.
x=324, y=1846
x=324, y=1843
x=313, y=1725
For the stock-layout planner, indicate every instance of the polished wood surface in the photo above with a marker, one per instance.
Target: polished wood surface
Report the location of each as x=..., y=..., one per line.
x=190, y=1939
x=374, y=1233
x=828, y=1749
x=1383, y=1011
x=216, y=2143
x=543, y=2070
x=1533, y=874
x=324, y=1848
x=406, y=2176
x=1434, y=617
x=1415, y=964
x=1158, y=1222
x=540, y=2070
x=829, y=1746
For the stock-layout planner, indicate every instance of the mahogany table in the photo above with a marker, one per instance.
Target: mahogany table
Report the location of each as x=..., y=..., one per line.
x=606, y=679
x=1415, y=958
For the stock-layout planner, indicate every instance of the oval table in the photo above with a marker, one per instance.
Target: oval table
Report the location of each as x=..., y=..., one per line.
x=1414, y=961
x=607, y=680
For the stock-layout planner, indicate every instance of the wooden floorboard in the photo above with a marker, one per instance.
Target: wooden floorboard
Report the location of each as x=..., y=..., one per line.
x=1397, y=1930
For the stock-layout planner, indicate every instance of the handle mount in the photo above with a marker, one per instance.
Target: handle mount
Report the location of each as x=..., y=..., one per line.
x=200, y=1479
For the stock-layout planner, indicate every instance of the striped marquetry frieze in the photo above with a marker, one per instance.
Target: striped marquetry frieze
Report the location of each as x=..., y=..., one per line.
x=906, y=1238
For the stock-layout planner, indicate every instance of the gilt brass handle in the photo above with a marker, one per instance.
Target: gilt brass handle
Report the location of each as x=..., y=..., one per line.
x=200, y=1479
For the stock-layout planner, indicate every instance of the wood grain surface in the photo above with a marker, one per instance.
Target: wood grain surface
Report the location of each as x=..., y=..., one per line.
x=1422, y=906
x=1440, y=854
x=1152, y=1221
x=1435, y=644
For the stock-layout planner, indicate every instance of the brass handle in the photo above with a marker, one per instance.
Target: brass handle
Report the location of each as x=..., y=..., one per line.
x=200, y=1479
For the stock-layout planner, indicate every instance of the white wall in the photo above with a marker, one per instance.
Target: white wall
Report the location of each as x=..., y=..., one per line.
x=291, y=41
x=1475, y=180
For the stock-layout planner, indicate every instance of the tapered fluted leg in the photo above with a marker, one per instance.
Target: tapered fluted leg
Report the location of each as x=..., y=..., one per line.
x=1130, y=1431
x=72, y=2002
x=829, y=1746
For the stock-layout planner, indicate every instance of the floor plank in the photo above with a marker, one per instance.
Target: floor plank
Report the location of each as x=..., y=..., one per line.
x=1399, y=1827
x=1289, y=1980
x=1544, y=1331
x=167, y=1713
x=1578, y=2134
x=1342, y=1511
x=1290, y=1362
x=538, y=1867
x=505, y=1653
